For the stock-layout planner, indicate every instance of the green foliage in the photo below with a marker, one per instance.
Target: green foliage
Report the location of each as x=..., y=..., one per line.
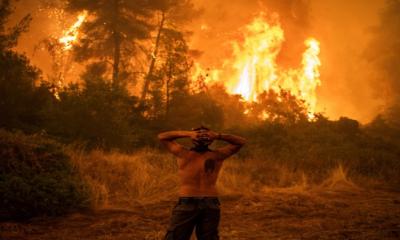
x=280, y=107
x=385, y=129
x=170, y=54
x=315, y=148
x=170, y=79
x=21, y=102
x=9, y=39
x=97, y=113
x=37, y=178
x=188, y=111
x=233, y=107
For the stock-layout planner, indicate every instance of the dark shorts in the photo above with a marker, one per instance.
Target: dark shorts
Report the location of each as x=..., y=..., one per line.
x=200, y=213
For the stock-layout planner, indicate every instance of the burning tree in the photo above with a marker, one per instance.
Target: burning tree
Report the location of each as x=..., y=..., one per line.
x=71, y=35
x=59, y=46
x=110, y=31
x=113, y=32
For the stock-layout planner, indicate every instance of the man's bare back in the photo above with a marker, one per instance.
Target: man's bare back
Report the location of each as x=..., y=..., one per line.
x=198, y=174
x=199, y=167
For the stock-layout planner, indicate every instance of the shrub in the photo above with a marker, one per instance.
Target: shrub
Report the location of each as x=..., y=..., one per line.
x=37, y=178
x=316, y=148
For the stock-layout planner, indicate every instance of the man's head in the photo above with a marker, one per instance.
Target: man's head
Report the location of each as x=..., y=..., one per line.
x=203, y=139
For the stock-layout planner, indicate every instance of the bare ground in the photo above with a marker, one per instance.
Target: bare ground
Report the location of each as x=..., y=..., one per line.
x=320, y=213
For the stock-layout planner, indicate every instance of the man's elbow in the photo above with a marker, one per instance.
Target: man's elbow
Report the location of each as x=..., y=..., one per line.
x=243, y=141
x=239, y=144
x=161, y=137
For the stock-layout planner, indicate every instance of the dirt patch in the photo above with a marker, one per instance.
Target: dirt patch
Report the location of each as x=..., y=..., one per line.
x=329, y=213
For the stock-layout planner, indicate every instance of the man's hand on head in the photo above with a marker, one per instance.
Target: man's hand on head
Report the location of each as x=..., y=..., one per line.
x=212, y=135
x=193, y=135
x=204, y=135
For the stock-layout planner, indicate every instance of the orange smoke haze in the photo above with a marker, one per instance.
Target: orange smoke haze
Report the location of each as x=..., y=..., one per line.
x=341, y=28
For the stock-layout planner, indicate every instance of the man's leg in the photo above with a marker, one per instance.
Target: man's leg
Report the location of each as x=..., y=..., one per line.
x=208, y=221
x=182, y=223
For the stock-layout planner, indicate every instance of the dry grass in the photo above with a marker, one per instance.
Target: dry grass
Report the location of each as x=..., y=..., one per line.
x=118, y=179
x=150, y=176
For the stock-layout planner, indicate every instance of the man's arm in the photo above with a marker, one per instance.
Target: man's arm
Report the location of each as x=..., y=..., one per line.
x=235, y=143
x=168, y=139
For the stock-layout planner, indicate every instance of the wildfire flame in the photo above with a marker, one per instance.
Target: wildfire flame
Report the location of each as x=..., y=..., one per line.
x=255, y=59
x=70, y=36
x=254, y=69
x=310, y=76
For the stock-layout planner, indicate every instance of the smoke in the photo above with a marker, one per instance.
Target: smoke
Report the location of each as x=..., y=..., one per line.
x=383, y=53
x=348, y=85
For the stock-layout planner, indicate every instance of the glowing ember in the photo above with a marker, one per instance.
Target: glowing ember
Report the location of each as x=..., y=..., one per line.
x=71, y=35
x=253, y=68
x=57, y=90
x=207, y=75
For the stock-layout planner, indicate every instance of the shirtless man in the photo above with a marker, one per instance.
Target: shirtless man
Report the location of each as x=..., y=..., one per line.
x=198, y=204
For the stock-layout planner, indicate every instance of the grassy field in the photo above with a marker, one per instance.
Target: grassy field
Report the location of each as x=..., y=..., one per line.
x=149, y=176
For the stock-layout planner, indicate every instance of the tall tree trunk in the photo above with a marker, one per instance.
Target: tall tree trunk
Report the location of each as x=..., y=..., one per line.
x=116, y=60
x=117, y=47
x=167, y=89
x=153, y=60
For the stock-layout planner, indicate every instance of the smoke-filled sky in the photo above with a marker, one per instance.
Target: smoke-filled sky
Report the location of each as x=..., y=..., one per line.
x=341, y=26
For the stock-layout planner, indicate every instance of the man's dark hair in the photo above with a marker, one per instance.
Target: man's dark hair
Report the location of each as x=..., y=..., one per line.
x=201, y=128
